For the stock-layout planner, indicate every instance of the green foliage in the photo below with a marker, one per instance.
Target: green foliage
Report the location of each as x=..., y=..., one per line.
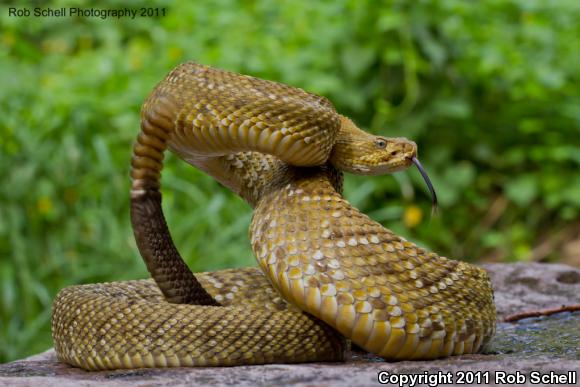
x=488, y=90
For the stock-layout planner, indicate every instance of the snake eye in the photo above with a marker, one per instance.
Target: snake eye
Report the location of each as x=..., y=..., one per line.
x=380, y=143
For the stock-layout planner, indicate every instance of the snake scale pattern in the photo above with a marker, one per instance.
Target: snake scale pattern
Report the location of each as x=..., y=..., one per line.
x=328, y=275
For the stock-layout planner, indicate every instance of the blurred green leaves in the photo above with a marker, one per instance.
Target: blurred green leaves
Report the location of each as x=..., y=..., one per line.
x=489, y=91
x=522, y=190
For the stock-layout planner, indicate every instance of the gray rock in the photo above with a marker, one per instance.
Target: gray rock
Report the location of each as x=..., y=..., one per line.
x=527, y=286
x=529, y=347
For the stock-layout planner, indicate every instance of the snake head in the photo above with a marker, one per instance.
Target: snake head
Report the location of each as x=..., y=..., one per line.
x=362, y=153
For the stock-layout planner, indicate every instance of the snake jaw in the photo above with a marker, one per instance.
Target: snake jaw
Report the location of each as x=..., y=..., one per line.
x=361, y=169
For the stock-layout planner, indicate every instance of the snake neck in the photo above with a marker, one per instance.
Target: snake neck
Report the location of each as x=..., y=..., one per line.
x=253, y=175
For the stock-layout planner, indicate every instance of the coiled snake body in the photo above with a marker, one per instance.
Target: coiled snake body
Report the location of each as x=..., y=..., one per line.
x=283, y=151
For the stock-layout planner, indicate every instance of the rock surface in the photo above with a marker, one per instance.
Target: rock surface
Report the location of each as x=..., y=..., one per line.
x=526, y=286
x=544, y=345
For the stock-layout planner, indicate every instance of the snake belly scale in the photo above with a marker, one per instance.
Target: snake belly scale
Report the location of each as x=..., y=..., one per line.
x=332, y=274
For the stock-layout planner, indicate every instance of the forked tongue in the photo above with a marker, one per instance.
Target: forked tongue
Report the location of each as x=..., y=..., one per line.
x=429, y=185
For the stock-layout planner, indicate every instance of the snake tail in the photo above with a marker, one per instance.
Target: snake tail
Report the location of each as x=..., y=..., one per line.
x=176, y=281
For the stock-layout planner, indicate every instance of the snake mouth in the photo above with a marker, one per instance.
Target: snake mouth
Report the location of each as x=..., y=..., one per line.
x=428, y=182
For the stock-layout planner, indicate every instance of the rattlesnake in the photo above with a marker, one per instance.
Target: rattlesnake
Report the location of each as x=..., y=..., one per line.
x=332, y=275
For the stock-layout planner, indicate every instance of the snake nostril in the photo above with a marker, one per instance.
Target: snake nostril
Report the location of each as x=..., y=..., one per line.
x=394, y=153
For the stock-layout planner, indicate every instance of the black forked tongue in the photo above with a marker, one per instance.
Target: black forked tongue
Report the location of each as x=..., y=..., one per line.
x=429, y=184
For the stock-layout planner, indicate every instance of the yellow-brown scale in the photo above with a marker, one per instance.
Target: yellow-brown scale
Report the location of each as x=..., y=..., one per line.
x=386, y=294
x=131, y=325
